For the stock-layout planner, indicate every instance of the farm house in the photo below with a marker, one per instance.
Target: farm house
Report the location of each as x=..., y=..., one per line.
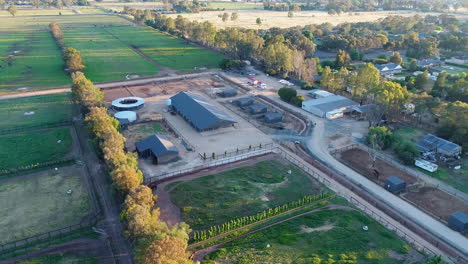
x=431, y=143
x=328, y=105
x=273, y=118
x=458, y=221
x=394, y=184
x=159, y=147
x=245, y=101
x=258, y=109
x=200, y=112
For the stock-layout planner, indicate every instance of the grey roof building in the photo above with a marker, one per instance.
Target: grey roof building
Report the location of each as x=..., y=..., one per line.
x=429, y=63
x=200, y=112
x=159, y=147
x=258, y=109
x=389, y=68
x=458, y=221
x=320, y=107
x=432, y=143
x=229, y=92
x=394, y=184
x=245, y=101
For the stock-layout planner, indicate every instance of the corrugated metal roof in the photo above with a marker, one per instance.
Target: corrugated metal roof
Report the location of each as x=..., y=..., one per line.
x=395, y=180
x=200, y=112
x=160, y=145
x=430, y=142
x=330, y=103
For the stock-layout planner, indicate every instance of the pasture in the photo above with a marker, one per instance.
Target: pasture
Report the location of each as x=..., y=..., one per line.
x=107, y=58
x=235, y=5
x=30, y=61
x=37, y=12
x=247, y=18
x=330, y=236
x=34, y=147
x=38, y=203
x=214, y=199
x=35, y=111
x=167, y=51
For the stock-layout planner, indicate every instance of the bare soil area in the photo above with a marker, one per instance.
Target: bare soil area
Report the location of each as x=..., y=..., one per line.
x=437, y=202
x=360, y=160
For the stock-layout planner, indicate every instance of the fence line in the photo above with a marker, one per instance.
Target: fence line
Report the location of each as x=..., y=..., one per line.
x=226, y=154
x=30, y=242
x=35, y=166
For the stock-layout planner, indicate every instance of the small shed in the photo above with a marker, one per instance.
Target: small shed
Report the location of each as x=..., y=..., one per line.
x=245, y=101
x=273, y=118
x=394, y=184
x=228, y=92
x=458, y=221
x=159, y=147
x=258, y=109
x=125, y=117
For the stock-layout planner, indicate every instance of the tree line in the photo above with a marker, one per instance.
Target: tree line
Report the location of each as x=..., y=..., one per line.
x=46, y=3
x=71, y=56
x=247, y=220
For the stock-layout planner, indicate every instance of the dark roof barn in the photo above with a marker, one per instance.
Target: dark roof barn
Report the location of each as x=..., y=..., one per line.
x=159, y=147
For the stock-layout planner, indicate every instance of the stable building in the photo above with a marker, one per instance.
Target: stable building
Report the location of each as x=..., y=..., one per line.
x=431, y=143
x=202, y=114
x=228, y=92
x=458, y=221
x=394, y=184
x=158, y=147
x=258, y=109
x=245, y=101
x=330, y=107
x=272, y=118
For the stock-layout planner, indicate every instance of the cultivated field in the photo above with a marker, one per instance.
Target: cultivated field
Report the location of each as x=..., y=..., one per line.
x=38, y=203
x=167, y=51
x=118, y=6
x=329, y=235
x=37, y=12
x=35, y=111
x=235, y=5
x=214, y=199
x=105, y=57
x=90, y=11
x=34, y=147
x=247, y=18
x=29, y=61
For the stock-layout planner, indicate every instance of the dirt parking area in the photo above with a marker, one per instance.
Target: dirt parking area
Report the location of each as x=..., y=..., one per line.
x=437, y=202
x=360, y=160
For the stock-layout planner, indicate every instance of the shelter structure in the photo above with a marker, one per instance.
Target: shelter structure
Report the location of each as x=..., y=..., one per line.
x=125, y=117
x=458, y=221
x=330, y=105
x=158, y=147
x=245, y=101
x=273, y=118
x=431, y=143
x=200, y=112
x=229, y=92
x=394, y=184
x=258, y=109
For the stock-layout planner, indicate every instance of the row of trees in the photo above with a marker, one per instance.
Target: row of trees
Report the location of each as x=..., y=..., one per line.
x=46, y=3
x=71, y=56
x=246, y=220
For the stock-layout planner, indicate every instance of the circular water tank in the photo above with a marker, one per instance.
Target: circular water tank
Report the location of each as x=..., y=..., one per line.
x=168, y=102
x=126, y=116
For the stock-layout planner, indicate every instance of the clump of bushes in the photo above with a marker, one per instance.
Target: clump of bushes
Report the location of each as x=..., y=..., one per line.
x=290, y=95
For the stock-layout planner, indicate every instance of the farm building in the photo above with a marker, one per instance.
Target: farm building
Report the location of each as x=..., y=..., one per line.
x=125, y=117
x=273, y=118
x=331, y=105
x=159, y=147
x=394, y=184
x=258, y=109
x=252, y=81
x=458, y=60
x=389, y=69
x=431, y=143
x=458, y=221
x=200, y=112
x=317, y=94
x=429, y=63
x=245, y=101
x=128, y=104
x=228, y=93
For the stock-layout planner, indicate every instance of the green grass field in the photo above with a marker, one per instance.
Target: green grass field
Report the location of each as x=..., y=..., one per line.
x=34, y=147
x=214, y=199
x=456, y=178
x=106, y=58
x=452, y=69
x=90, y=11
x=30, y=61
x=235, y=6
x=48, y=109
x=166, y=50
x=409, y=133
x=60, y=258
x=38, y=203
x=38, y=12
x=341, y=239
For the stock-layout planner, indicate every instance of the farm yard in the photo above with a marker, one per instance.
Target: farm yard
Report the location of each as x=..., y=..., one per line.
x=247, y=18
x=30, y=61
x=37, y=111
x=38, y=203
x=326, y=235
x=214, y=199
x=34, y=147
